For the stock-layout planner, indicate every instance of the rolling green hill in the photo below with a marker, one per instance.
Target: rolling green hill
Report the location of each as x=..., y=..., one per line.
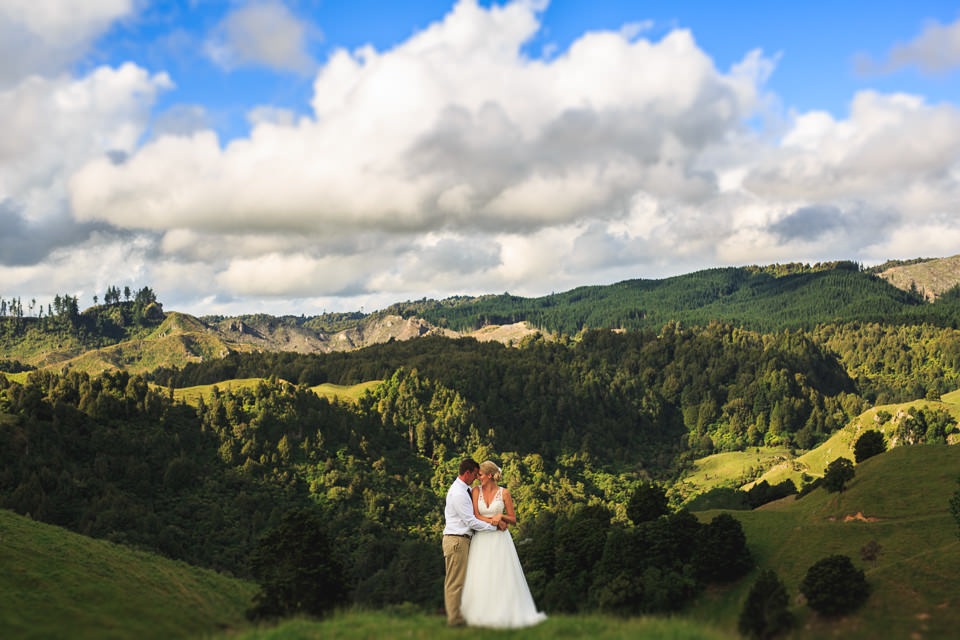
x=898, y=499
x=57, y=584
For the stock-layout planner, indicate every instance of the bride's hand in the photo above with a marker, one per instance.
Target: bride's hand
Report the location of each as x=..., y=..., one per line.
x=495, y=519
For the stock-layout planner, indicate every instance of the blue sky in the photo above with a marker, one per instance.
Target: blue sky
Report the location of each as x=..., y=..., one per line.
x=301, y=156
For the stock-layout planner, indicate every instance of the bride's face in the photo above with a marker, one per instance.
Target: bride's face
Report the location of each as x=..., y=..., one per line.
x=485, y=477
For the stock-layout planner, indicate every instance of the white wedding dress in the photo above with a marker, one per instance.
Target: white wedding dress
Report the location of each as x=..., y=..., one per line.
x=495, y=593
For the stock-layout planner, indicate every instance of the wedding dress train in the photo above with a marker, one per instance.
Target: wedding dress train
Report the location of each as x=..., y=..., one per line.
x=495, y=593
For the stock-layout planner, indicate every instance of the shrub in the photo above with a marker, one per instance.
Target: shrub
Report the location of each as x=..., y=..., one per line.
x=833, y=586
x=838, y=474
x=721, y=554
x=869, y=444
x=648, y=502
x=765, y=613
x=296, y=568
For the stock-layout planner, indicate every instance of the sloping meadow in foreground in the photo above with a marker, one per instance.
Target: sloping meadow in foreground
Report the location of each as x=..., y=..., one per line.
x=58, y=584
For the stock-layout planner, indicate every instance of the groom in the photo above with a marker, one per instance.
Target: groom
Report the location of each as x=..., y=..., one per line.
x=460, y=525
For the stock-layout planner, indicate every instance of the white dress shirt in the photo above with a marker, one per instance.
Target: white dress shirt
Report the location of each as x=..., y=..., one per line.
x=459, y=512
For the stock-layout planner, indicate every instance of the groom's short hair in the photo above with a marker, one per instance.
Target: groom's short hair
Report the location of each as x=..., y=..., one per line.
x=468, y=464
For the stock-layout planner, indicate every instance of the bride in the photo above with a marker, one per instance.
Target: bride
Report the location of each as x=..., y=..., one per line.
x=495, y=593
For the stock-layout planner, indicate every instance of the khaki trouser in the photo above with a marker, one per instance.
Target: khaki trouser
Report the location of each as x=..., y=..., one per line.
x=455, y=551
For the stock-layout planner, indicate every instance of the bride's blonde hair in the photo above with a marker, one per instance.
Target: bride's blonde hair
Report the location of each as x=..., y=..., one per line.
x=488, y=466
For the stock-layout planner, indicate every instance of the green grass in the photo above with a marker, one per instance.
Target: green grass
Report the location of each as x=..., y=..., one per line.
x=191, y=395
x=354, y=625
x=728, y=469
x=17, y=377
x=916, y=579
x=351, y=393
x=58, y=584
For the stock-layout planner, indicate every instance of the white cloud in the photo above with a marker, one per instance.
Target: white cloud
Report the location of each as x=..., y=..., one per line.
x=263, y=33
x=54, y=125
x=453, y=129
x=42, y=37
x=935, y=50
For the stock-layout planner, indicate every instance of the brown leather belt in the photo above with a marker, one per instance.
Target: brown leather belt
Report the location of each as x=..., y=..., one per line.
x=459, y=535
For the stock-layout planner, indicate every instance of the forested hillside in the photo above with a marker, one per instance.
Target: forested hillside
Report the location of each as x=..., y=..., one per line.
x=763, y=299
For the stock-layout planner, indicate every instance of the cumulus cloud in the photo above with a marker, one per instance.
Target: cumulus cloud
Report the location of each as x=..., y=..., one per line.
x=453, y=129
x=40, y=37
x=264, y=34
x=52, y=126
x=935, y=50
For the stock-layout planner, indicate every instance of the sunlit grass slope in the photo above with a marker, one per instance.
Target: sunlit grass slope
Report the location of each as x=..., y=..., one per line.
x=898, y=499
x=349, y=393
x=377, y=625
x=344, y=392
x=191, y=395
x=57, y=584
x=729, y=469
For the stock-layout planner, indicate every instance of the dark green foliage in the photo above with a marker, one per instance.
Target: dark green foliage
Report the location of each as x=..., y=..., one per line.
x=766, y=612
x=869, y=444
x=14, y=366
x=720, y=498
x=648, y=502
x=762, y=492
x=838, y=474
x=721, y=553
x=414, y=573
x=833, y=586
x=579, y=540
x=297, y=569
x=621, y=396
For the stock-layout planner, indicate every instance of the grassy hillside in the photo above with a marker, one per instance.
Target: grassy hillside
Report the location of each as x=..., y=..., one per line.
x=191, y=395
x=357, y=625
x=350, y=393
x=902, y=500
x=840, y=444
x=729, y=469
x=57, y=584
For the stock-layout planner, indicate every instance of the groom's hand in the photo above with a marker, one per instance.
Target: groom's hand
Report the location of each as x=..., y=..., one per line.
x=502, y=526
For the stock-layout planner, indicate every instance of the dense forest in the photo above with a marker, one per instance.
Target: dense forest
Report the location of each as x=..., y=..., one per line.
x=767, y=299
x=112, y=457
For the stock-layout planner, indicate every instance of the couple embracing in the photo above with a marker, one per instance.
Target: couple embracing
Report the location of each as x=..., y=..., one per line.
x=484, y=585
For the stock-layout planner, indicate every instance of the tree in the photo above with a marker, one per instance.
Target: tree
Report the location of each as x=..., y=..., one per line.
x=297, y=569
x=721, y=553
x=838, y=474
x=648, y=502
x=869, y=444
x=833, y=586
x=765, y=613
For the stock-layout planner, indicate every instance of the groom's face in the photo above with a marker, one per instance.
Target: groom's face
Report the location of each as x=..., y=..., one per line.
x=472, y=476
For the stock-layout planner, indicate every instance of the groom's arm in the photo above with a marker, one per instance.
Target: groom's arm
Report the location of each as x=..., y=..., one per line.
x=464, y=508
